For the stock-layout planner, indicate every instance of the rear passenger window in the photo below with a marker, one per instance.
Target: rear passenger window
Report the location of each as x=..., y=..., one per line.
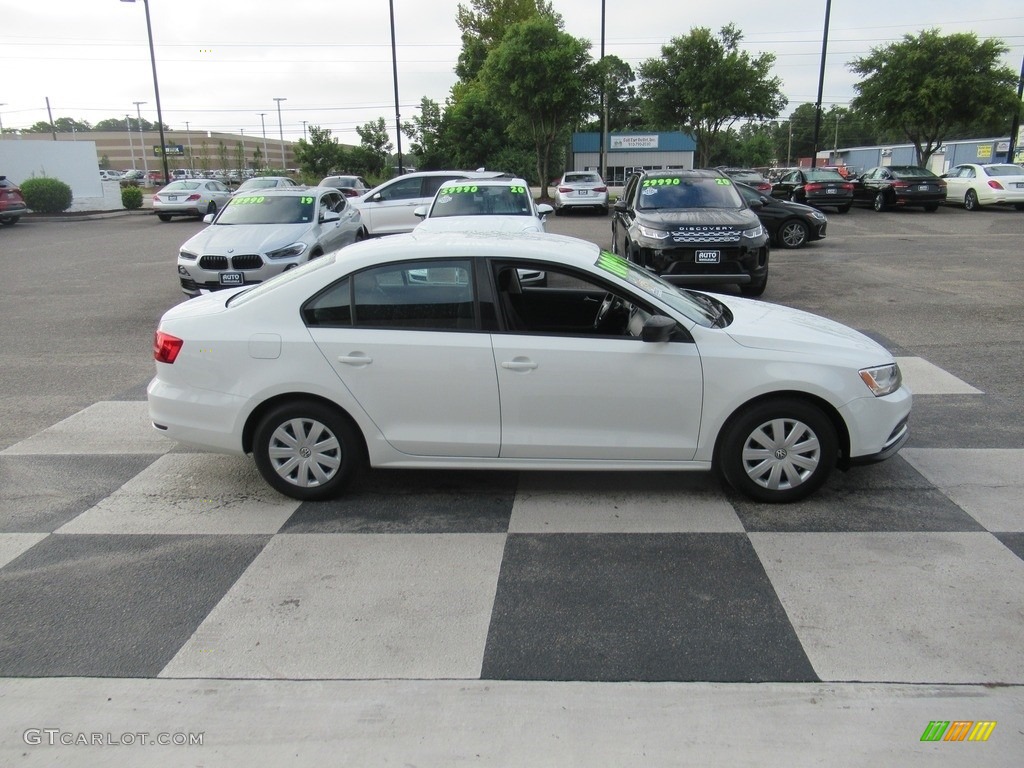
x=332, y=307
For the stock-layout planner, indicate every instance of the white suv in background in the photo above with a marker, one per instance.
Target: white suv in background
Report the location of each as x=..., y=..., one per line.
x=389, y=208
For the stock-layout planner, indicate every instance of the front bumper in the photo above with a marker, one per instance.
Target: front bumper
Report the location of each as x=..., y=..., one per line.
x=737, y=265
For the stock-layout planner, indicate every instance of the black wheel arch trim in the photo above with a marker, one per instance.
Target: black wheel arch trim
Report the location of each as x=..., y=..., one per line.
x=261, y=410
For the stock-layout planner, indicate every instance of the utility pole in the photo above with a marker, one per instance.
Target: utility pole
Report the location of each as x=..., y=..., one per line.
x=266, y=158
x=191, y=158
x=821, y=83
x=142, y=141
x=131, y=145
x=1015, y=125
x=280, y=127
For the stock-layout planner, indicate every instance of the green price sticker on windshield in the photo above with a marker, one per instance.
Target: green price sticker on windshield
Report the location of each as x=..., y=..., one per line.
x=723, y=182
x=248, y=200
x=661, y=182
x=306, y=200
x=517, y=190
x=461, y=190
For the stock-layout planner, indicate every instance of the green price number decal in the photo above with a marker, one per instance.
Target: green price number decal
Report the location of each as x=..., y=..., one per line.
x=517, y=190
x=248, y=200
x=723, y=182
x=661, y=182
x=306, y=200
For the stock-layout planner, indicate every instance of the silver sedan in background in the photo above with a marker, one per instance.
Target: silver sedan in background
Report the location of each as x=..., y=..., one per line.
x=190, y=197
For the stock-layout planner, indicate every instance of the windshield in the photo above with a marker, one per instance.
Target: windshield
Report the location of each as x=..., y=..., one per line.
x=676, y=192
x=822, y=175
x=582, y=178
x=694, y=306
x=267, y=209
x=481, y=200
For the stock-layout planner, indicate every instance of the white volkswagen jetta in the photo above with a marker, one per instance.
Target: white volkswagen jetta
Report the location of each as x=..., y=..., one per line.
x=425, y=350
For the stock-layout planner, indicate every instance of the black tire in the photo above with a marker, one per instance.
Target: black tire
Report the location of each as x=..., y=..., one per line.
x=282, y=447
x=1016, y=207
x=211, y=208
x=756, y=449
x=756, y=288
x=880, y=203
x=360, y=235
x=971, y=201
x=604, y=210
x=559, y=211
x=164, y=216
x=932, y=207
x=793, y=234
x=10, y=221
x=844, y=208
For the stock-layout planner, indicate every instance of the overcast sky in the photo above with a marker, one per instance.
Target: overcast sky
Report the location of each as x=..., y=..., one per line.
x=220, y=63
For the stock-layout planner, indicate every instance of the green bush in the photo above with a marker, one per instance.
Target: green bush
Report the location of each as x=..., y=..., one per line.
x=45, y=195
x=131, y=198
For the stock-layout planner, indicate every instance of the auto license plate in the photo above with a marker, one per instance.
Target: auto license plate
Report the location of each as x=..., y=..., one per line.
x=1019, y=185
x=923, y=188
x=707, y=257
x=231, y=278
x=831, y=191
x=172, y=198
x=582, y=192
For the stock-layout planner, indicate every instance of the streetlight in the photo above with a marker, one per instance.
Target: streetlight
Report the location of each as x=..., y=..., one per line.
x=142, y=139
x=156, y=93
x=131, y=146
x=394, y=67
x=4, y=104
x=263, y=122
x=304, y=129
x=280, y=127
x=191, y=159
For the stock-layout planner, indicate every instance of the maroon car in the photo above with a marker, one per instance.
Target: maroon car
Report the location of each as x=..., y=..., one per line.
x=12, y=204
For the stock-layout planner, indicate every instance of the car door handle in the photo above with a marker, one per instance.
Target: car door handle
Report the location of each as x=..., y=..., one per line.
x=519, y=364
x=357, y=359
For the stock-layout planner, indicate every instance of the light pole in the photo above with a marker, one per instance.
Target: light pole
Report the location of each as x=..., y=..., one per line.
x=191, y=159
x=821, y=84
x=131, y=146
x=4, y=104
x=264, y=124
x=156, y=93
x=280, y=127
x=142, y=140
x=304, y=129
x=394, y=67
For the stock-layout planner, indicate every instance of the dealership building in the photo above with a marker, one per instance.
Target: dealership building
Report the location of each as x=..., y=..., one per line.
x=629, y=152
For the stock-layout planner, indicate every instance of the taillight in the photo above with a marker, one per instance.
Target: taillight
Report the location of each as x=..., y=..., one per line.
x=900, y=185
x=166, y=347
x=847, y=186
x=764, y=187
x=194, y=197
x=565, y=189
x=812, y=187
x=994, y=184
x=600, y=189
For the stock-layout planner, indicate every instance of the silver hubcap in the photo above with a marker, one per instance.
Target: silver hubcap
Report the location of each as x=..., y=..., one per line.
x=793, y=235
x=781, y=454
x=304, y=452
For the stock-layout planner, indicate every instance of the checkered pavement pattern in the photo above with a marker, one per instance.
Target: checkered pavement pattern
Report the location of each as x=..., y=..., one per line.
x=125, y=555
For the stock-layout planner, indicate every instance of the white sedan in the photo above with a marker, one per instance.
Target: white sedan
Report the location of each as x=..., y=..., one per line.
x=425, y=351
x=974, y=185
x=191, y=197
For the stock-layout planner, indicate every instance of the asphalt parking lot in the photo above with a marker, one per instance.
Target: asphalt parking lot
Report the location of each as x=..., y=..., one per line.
x=500, y=619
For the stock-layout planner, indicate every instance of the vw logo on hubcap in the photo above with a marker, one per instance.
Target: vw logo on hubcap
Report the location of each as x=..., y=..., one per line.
x=305, y=453
x=780, y=454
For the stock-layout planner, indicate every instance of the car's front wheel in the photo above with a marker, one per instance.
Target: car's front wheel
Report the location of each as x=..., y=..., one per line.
x=778, y=450
x=307, y=450
x=211, y=208
x=793, y=234
x=10, y=221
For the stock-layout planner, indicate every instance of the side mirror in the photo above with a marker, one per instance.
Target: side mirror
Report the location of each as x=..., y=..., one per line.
x=330, y=216
x=658, y=328
x=544, y=209
x=208, y=218
x=620, y=205
x=420, y=211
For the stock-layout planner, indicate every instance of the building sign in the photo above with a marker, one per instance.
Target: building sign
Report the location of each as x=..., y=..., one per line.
x=171, y=150
x=634, y=142
x=985, y=152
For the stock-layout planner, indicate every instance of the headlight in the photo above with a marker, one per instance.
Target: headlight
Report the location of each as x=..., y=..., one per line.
x=295, y=249
x=654, y=234
x=818, y=215
x=883, y=380
x=754, y=233
x=188, y=255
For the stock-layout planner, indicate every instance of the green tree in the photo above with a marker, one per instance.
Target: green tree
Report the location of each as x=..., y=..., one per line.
x=615, y=77
x=321, y=155
x=932, y=86
x=60, y=125
x=424, y=133
x=483, y=24
x=239, y=158
x=704, y=84
x=118, y=124
x=222, y=155
x=536, y=77
x=375, y=146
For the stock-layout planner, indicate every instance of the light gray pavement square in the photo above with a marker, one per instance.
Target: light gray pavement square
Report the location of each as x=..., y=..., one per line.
x=193, y=493
x=13, y=544
x=988, y=484
x=926, y=378
x=618, y=502
x=104, y=427
x=352, y=606
x=901, y=607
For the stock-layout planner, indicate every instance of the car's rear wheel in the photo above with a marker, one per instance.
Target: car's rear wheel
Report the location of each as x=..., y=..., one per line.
x=10, y=221
x=778, y=450
x=307, y=450
x=793, y=234
x=932, y=207
x=880, y=203
x=844, y=208
x=164, y=216
x=971, y=200
x=211, y=208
